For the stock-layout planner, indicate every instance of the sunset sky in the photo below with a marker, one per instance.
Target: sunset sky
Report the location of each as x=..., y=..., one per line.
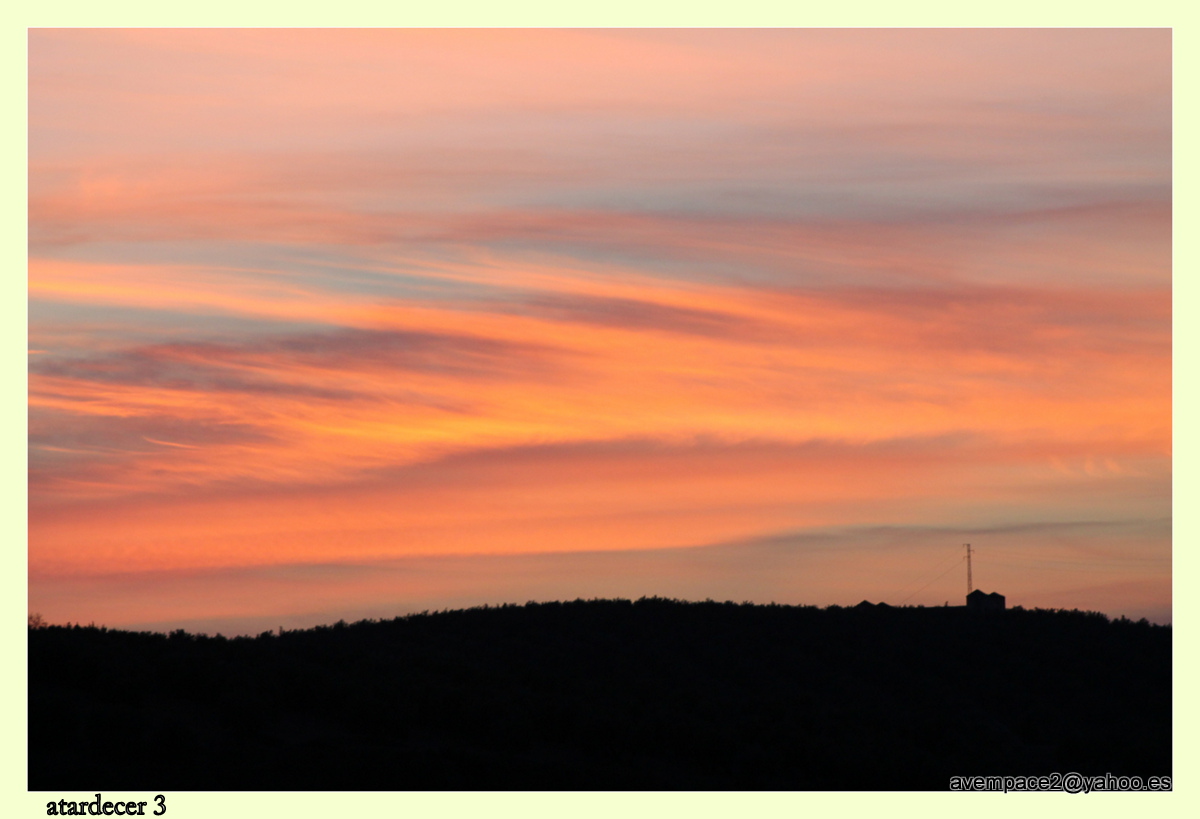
x=350, y=323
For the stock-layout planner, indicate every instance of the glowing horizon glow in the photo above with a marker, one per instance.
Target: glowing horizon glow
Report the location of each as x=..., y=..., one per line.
x=329, y=303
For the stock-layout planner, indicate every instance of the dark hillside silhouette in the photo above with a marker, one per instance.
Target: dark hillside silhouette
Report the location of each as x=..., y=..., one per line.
x=605, y=694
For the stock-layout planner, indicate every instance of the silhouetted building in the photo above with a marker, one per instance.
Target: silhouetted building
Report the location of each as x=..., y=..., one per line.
x=982, y=601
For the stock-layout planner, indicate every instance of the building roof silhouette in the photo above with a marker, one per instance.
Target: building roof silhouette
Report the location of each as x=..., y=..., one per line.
x=980, y=600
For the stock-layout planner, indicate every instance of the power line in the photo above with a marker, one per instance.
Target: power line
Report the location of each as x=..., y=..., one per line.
x=957, y=561
x=930, y=583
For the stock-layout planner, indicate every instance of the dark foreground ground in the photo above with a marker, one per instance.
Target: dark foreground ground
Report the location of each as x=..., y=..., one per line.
x=602, y=695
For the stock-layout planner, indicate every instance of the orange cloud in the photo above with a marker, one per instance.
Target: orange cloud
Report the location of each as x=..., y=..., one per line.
x=304, y=297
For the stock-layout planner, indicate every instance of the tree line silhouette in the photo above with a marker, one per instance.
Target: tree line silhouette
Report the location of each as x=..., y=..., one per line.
x=604, y=694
